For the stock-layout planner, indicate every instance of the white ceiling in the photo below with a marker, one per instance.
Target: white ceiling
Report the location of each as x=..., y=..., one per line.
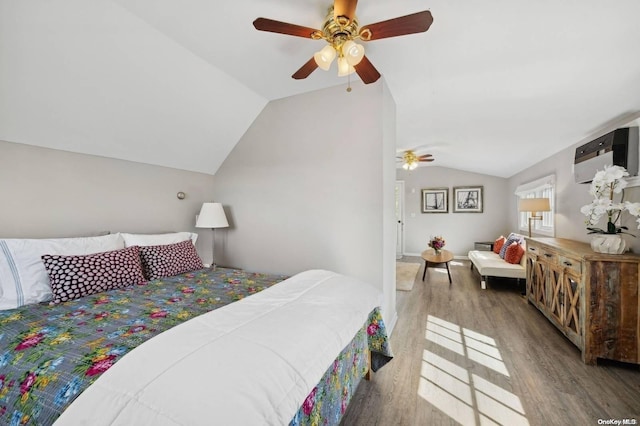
x=492, y=87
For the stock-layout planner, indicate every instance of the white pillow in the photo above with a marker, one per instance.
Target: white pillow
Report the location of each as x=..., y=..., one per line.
x=157, y=239
x=23, y=277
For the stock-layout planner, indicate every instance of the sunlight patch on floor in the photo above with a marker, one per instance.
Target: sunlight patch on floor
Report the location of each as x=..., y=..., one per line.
x=442, y=323
x=446, y=335
x=487, y=361
x=479, y=337
x=445, y=332
x=485, y=348
x=454, y=408
x=445, y=365
x=466, y=397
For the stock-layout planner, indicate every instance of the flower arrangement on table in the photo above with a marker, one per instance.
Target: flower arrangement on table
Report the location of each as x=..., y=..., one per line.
x=605, y=184
x=436, y=243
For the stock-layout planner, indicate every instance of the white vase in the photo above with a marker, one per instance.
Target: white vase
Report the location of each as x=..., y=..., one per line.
x=608, y=243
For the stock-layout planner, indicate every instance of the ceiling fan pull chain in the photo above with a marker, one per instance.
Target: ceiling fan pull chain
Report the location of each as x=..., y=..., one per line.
x=348, y=82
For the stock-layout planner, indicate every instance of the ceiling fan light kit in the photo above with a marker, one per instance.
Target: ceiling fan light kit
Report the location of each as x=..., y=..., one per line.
x=409, y=166
x=410, y=159
x=340, y=30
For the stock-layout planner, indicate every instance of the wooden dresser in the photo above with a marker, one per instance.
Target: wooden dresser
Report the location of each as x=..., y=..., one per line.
x=591, y=297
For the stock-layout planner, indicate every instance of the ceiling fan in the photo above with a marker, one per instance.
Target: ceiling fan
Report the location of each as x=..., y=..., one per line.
x=410, y=159
x=340, y=30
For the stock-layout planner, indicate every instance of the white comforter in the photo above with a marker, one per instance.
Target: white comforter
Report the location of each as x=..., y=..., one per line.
x=252, y=362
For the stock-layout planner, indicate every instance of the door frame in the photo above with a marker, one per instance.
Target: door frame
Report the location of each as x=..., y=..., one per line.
x=400, y=204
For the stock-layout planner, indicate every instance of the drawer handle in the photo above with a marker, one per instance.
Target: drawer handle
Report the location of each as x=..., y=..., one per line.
x=532, y=249
x=548, y=255
x=568, y=263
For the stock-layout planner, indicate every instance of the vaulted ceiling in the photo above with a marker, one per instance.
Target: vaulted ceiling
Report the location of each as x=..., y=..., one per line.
x=492, y=87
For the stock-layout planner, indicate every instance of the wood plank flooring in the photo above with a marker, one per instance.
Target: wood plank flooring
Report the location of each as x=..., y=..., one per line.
x=469, y=356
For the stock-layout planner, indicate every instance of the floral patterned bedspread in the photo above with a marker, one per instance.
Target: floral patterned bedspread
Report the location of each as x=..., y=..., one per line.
x=327, y=402
x=49, y=354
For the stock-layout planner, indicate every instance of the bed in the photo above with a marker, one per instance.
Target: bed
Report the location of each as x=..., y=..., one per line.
x=207, y=346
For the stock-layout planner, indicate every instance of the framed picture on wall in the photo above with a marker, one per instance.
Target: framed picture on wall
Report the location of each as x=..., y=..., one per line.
x=435, y=200
x=467, y=199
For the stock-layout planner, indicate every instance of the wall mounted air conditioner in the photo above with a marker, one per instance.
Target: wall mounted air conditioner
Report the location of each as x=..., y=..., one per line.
x=618, y=148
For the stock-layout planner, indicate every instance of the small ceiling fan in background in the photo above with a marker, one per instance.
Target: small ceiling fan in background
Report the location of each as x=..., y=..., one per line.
x=410, y=159
x=340, y=30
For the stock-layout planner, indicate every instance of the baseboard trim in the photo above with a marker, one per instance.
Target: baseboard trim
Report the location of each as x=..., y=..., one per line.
x=393, y=322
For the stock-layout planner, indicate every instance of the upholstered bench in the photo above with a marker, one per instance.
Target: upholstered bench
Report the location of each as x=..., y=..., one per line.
x=490, y=264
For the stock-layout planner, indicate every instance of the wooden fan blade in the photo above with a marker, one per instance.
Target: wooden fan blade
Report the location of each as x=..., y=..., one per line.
x=344, y=8
x=265, y=24
x=367, y=72
x=425, y=156
x=304, y=71
x=426, y=160
x=403, y=25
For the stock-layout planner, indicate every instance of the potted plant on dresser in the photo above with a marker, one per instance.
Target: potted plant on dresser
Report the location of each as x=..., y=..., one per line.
x=608, y=184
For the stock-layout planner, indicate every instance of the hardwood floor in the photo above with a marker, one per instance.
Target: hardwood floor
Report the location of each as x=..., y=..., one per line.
x=469, y=356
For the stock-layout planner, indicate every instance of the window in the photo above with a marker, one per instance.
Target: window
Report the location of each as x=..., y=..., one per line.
x=540, y=188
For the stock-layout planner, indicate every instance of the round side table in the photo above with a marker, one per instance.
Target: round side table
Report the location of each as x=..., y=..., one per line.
x=431, y=258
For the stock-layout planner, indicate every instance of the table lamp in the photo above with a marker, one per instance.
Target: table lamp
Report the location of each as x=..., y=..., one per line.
x=212, y=216
x=534, y=205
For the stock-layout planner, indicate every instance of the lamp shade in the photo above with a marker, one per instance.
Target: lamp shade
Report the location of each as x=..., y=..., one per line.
x=353, y=52
x=325, y=57
x=211, y=216
x=344, y=68
x=534, y=205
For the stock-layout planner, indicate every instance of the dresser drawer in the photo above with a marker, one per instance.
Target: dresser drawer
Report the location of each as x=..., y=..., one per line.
x=534, y=249
x=570, y=263
x=547, y=255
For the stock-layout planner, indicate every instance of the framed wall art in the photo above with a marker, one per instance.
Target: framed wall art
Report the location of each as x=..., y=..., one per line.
x=467, y=199
x=435, y=200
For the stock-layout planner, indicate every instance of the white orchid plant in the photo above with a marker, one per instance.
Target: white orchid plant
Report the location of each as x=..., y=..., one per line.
x=605, y=184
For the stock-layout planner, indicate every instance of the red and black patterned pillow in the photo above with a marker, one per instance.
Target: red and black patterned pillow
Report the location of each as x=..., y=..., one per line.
x=72, y=277
x=169, y=260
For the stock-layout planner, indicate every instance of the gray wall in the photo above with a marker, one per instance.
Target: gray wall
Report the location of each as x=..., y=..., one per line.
x=49, y=193
x=460, y=230
x=315, y=190
x=571, y=196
